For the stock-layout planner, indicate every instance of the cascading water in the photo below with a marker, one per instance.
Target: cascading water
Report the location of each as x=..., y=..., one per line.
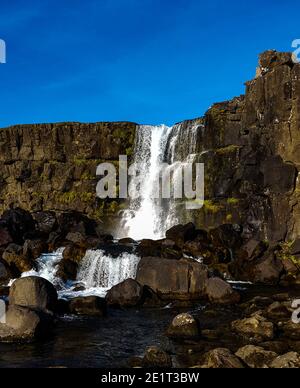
x=150, y=216
x=100, y=270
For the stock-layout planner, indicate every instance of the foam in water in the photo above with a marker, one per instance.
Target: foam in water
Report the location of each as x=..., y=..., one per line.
x=148, y=216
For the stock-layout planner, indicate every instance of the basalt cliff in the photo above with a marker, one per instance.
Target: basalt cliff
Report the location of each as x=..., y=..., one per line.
x=250, y=146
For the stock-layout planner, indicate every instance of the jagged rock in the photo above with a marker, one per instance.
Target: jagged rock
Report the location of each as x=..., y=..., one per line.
x=149, y=248
x=126, y=294
x=75, y=253
x=91, y=305
x=271, y=58
x=287, y=361
x=33, y=292
x=181, y=234
x=221, y=359
x=173, y=279
x=256, y=357
x=15, y=258
x=184, y=326
x=77, y=238
x=256, y=327
x=156, y=358
x=221, y=292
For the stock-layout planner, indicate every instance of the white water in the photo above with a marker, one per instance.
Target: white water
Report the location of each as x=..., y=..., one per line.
x=98, y=272
x=150, y=216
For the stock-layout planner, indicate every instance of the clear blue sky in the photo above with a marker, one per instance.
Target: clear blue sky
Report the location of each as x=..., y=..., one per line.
x=148, y=61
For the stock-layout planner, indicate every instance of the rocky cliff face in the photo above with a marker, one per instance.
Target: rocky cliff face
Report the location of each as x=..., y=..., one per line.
x=250, y=147
x=53, y=166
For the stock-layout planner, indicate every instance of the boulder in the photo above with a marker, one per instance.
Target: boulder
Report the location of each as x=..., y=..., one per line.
x=268, y=270
x=126, y=294
x=181, y=234
x=45, y=222
x=15, y=258
x=220, y=292
x=256, y=327
x=25, y=324
x=33, y=292
x=256, y=357
x=67, y=270
x=221, y=359
x=156, y=358
x=287, y=361
x=278, y=311
x=19, y=223
x=74, y=253
x=33, y=249
x=184, y=326
x=291, y=330
x=77, y=238
x=149, y=248
x=90, y=305
x=183, y=279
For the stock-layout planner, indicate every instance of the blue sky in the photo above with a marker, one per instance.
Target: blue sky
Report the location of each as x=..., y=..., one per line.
x=147, y=61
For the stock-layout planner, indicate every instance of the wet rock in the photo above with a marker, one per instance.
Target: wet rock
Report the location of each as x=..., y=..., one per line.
x=184, y=326
x=91, y=305
x=67, y=270
x=156, y=358
x=221, y=359
x=45, y=222
x=19, y=223
x=33, y=292
x=77, y=238
x=181, y=234
x=149, y=248
x=16, y=260
x=255, y=327
x=25, y=324
x=277, y=311
x=173, y=279
x=256, y=357
x=33, y=249
x=221, y=292
x=287, y=361
x=74, y=253
x=291, y=330
x=226, y=236
x=126, y=294
x=268, y=270
x=279, y=347
x=127, y=241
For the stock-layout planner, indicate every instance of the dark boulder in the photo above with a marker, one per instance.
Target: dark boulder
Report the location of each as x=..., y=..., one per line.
x=5, y=273
x=183, y=279
x=149, y=248
x=220, y=292
x=5, y=237
x=256, y=357
x=180, y=234
x=19, y=223
x=33, y=292
x=90, y=305
x=67, y=270
x=221, y=358
x=16, y=260
x=45, y=222
x=33, y=249
x=126, y=294
x=156, y=358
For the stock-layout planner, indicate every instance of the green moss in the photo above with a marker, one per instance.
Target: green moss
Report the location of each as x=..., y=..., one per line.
x=227, y=150
x=285, y=253
x=212, y=207
x=233, y=201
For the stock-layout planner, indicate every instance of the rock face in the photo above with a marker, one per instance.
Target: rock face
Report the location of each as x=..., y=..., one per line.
x=173, y=279
x=41, y=166
x=33, y=292
x=127, y=294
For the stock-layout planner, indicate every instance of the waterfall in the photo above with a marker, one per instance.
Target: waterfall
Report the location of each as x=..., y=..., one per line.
x=150, y=216
x=100, y=270
x=47, y=266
